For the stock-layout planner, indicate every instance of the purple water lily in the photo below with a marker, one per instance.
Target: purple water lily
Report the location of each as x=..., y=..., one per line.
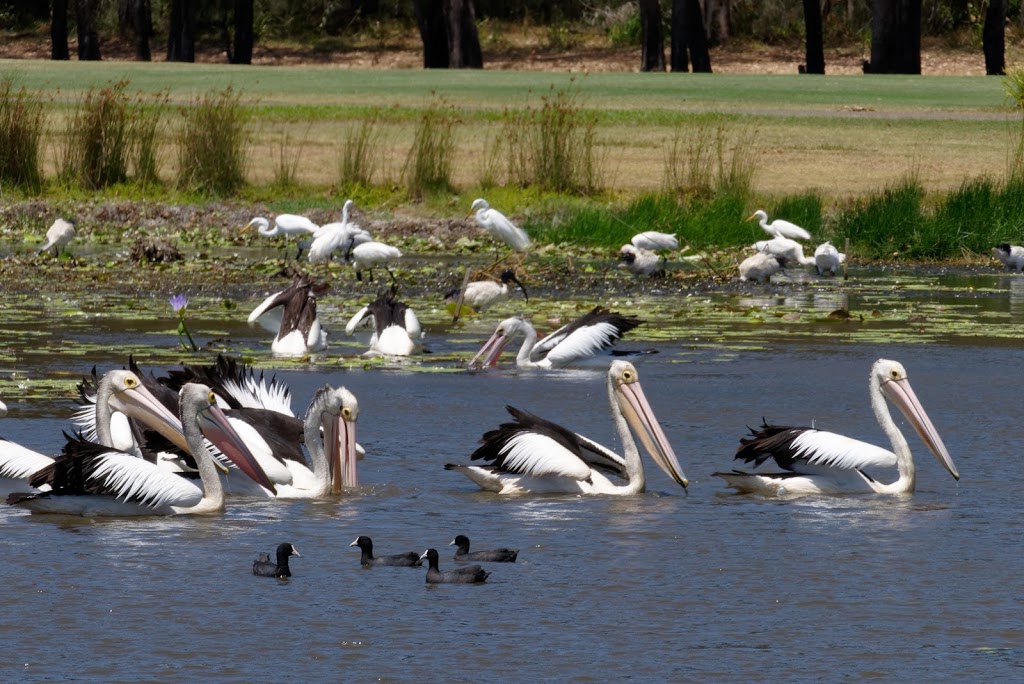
x=179, y=303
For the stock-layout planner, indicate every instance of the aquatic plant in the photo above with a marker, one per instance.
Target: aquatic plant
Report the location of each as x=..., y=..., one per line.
x=179, y=303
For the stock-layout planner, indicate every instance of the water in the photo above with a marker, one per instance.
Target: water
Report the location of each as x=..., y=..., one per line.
x=669, y=585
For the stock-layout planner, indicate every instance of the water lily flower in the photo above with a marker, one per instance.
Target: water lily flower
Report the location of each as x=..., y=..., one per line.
x=179, y=303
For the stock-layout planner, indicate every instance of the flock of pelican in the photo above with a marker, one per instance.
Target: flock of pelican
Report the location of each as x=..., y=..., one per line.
x=183, y=442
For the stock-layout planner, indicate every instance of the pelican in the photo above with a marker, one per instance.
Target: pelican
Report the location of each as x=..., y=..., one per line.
x=654, y=241
x=287, y=225
x=370, y=254
x=118, y=393
x=780, y=228
x=788, y=251
x=396, y=329
x=592, y=335
x=1012, y=256
x=818, y=462
x=534, y=456
x=827, y=259
x=483, y=294
x=298, y=329
x=760, y=267
x=640, y=261
x=58, y=236
x=497, y=225
x=331, y=237
x=470, y=574
x=89, y=479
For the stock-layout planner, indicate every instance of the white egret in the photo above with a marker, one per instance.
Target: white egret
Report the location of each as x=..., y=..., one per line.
x=287, y=225
x=827, y=259
x=655, y=241
x=499, y=227
x=780, y=227
x=332, y=237
x=58, y=236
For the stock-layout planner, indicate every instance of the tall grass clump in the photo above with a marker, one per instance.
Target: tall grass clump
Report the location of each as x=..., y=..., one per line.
x=975, y=217
x=428, y=168
x=361, y=151
x=212, y=144
x=286, y=167
x=706, y=160
x=22, y=124
x=145, y=144
x=553, y=146
x=1013, y=86
x=98, y=144
x=888, y=224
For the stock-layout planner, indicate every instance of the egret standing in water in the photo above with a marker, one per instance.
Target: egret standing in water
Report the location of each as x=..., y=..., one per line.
x=780, y=227
x=287, y=225
x=499, y=227
x=58, y=236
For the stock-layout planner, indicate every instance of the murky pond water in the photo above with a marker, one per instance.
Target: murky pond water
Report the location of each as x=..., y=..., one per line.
x=668, y=585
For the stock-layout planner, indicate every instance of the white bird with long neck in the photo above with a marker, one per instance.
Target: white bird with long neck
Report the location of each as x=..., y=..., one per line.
x=93, y=480
x=818, y=462
x=332, y=237
x=589, y=337
x=284, y=224
x=498, y=226
x=58, y=236
x=788, y=251
x=828, y=259
x=654, y=241
x=536, y=456
x=780, y=228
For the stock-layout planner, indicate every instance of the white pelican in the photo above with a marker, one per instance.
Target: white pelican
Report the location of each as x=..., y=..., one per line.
x=332, y=237
x=760, y=267
x=591, y=335
x=1012, y=256
x=118, y=392
x=827, y=258
x=640, y=261
x=298, y=332
x=93, y=480
x=654, y=241
x=370, y=254
x=396, y=329
x=818, y=462
x=780, y=228
x=287, y=225
x=533, y=455
x=788, y=251
x=499, y=227
x=58, y=236
x=483, y=294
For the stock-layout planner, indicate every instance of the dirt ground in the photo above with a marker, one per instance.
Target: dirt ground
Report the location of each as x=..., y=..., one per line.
x=533, y=53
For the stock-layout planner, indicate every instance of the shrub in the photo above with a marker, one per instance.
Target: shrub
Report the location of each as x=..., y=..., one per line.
x=212, y=144
x=22, y=124
x=428, y=168
x=361, y=151
x=98, y=145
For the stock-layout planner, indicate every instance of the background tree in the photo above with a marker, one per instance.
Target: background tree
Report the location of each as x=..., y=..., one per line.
x=135, y=19
x=895, y=37
x=652, y=52
x=814, y=54
x=463, y=41
x=993, y=38
x=433, y=33
x=59, y=31
x=245, y=35
x=181, y=34
x=88, y=37
x=689, y=40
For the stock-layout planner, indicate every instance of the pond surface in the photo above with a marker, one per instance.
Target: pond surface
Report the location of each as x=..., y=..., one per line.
x=669, y=585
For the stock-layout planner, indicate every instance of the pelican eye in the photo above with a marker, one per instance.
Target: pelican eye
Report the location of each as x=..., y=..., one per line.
x=346, y=412
x=628, y=376
x=894, y=374
x=211, y=397
x=130, y=382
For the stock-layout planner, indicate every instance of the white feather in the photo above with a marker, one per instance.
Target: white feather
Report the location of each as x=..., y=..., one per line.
x=837, y=451
x=536, y=455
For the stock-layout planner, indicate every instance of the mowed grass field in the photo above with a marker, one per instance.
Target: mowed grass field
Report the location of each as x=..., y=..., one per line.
x=841, y=136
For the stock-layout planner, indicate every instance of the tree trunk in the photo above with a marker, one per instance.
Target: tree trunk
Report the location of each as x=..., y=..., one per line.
x=433, y=33
x=463, y=40
x=181, y=36
x=59, y=31
x=993, y=38
x=652, y=53
x=815, y=53
x=244, y=32
x=88, y=38
x=689, y=41
x=136, y=20
x=895, y=37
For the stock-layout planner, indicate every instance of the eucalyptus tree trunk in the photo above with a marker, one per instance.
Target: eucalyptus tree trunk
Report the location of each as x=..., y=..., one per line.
x=433, y=32
x=814, y=57
x=652, y=52
x=993, y=38
x=136, y=20
x=59, y=31
x=88, y=38
x=689, y=40
x=181, y=36
x=244, y=33
x=895, y=37
x=463, y=40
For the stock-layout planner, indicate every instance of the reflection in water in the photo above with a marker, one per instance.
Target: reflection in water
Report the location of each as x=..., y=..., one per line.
x=1016, y=288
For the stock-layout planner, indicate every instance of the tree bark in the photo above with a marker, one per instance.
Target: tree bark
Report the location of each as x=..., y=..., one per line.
x=244, y=32
x=895, y=37
x=136, y=20
x=433, y=33
x=652, y=52
x=689, y=41
x=814, y=57
x=88, y=38
x=59, y=31
x=463, y=40
x=993, y=38
x=181, y=37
